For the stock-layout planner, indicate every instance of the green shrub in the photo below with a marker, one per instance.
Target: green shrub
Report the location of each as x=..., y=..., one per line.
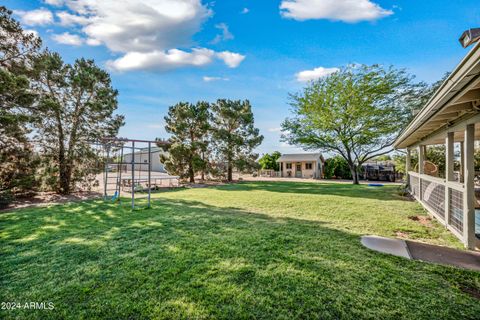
x=337, y=167
x=6, y=197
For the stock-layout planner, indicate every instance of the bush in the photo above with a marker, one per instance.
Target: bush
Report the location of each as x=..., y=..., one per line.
x=6, y=197
x=337, y=167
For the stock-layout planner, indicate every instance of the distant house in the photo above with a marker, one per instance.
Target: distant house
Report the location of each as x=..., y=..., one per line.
x=301, y=165
x=141, y=156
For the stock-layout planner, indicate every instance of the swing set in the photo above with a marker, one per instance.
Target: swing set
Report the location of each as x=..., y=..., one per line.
x=127, y=168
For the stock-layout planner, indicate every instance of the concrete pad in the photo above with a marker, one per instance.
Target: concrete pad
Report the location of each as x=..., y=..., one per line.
x=396, y=247
x=443, y=255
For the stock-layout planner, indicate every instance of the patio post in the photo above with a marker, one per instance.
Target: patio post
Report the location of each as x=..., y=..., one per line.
x=421, y=159
x=448, y=172
x=462, y=165
x=469, y=194
x=407, y=166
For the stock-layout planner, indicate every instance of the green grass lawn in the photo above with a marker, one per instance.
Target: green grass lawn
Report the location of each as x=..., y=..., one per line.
x=278, y=250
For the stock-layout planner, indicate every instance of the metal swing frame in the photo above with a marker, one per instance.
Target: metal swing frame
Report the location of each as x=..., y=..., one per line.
x=111, y=148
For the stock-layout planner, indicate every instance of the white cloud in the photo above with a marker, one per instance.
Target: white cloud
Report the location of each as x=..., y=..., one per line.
x=308, y=75
x=31, y=31
x=210, y=79
x=54, y=2
x=162, y=60
x=93, y=42
x=68, y=19
x=146, y=33
x=68, y=38
x=143, y=25
x=224, y=36
x=245, y=11
x=343, y=10
x=35, y=17
x=231, y=59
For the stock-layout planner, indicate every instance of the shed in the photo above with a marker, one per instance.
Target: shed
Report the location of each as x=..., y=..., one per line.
x=302, y=165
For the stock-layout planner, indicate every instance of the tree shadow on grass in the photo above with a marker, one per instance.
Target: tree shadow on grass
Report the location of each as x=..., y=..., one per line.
x=187, y=259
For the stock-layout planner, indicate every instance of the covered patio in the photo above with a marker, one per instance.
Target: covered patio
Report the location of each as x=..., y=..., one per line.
x=450, y=118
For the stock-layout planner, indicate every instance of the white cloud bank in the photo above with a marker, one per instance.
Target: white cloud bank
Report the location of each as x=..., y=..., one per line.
x=68, y=38
x=36, y=17
x=309, y=75
x=341, y=10
x=162, y=60
x=146, y=33
x=172, y=59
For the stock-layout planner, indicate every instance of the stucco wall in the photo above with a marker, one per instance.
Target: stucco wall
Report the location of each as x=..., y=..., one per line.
x=157, y=166
x=307, y=174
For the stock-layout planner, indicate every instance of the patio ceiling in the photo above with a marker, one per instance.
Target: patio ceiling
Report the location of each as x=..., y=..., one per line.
x=456, y=102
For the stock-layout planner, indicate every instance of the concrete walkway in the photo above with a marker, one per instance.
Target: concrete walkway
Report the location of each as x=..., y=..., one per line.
x=424, y=252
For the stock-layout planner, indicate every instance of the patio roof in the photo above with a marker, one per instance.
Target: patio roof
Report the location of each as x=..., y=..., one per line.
x=456, y=101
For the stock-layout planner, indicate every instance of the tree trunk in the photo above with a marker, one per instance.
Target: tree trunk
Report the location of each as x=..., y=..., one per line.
x=203, y=166
x=65, y=174
x=191, y=173
x=229, y=172
x=353, y=170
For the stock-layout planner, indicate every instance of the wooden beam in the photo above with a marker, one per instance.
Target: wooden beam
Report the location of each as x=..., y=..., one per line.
x=445, y=116
x=471, y=95
x=461, y=106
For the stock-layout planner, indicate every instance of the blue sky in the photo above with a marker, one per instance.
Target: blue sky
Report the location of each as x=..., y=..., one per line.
x=160, y=52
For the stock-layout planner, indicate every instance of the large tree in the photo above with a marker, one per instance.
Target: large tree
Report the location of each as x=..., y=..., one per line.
x=234, y=134
x=188, y=125
x=17, y=50
x=75, y=107
x=356, y=112
x=269, y=161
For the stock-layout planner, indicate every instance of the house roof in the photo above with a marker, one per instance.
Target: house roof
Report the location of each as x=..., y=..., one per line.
x=456, y=100
x=300, y=157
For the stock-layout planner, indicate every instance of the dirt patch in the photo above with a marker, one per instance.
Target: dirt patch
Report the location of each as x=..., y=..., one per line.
x=48, y=198
x=424, y=220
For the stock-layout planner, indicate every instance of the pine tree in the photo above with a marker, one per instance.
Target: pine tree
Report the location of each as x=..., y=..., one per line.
x=234, y=134
x=17, y=50
x=188, y=124
x=76, y=106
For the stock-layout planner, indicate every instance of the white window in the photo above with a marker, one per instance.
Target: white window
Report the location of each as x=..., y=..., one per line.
x=289, y=165
x=308, y=166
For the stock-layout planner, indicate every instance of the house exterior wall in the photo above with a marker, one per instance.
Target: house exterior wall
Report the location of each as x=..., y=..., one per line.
x=314, y=173
x=157, y=166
